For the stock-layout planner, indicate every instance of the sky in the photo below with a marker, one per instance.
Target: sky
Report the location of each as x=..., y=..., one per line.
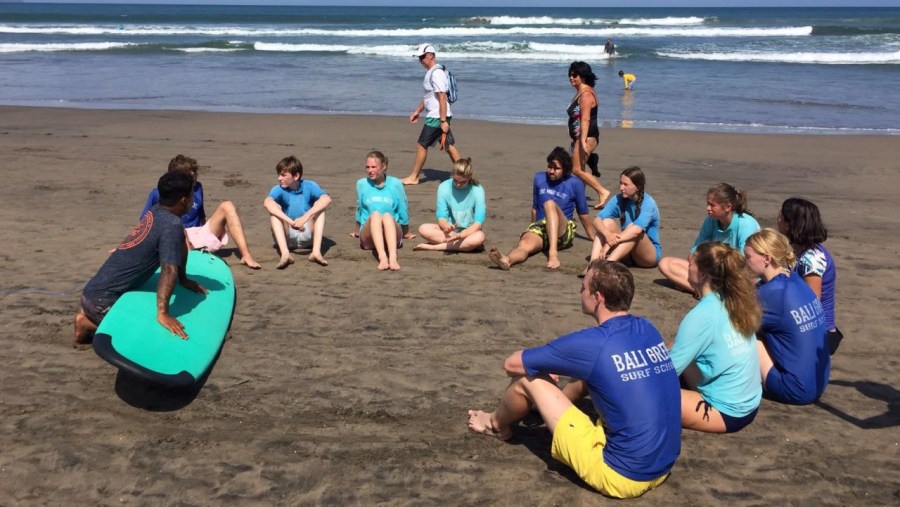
x=524, y=3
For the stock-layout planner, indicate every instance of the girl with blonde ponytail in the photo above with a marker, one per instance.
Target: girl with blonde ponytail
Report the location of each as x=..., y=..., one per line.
x=460, y=213
x=793, y=353
x=715, y=347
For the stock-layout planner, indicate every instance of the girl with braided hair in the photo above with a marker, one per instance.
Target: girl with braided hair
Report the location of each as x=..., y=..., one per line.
x=628, y=226
x=715, y=347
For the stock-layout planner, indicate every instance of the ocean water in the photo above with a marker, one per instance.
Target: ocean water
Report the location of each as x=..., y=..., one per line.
x=805, y=70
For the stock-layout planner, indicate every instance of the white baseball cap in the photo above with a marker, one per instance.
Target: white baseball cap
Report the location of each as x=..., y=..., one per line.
x=424, y=48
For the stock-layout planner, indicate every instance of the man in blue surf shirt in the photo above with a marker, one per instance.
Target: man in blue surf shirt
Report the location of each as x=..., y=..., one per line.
x=624, y=365
x=556, y=196
x=157, y=240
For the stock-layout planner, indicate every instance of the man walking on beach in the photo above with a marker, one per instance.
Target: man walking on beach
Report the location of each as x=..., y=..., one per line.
x=624, y=365
x=437, y=113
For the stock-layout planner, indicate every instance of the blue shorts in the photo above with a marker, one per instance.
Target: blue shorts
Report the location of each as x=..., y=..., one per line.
x=735, y=424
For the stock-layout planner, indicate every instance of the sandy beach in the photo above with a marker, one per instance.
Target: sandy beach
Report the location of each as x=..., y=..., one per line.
x=344, y=385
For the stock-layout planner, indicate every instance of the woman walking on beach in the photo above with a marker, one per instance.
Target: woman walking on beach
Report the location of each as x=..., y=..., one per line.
x=460, y=213
x=715, y=346
x=793, y=356
x=727, y=220
x=382, y=217
x=583, y=128
x=801, y=222
x=628, y=226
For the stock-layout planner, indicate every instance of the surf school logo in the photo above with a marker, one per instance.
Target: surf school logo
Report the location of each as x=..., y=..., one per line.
x=139, y=233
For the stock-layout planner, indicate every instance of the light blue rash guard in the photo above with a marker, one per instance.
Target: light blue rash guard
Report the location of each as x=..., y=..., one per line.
x=462, y=207
x=389, y=198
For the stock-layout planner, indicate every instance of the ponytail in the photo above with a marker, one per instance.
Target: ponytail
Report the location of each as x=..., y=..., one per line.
x=725, y=269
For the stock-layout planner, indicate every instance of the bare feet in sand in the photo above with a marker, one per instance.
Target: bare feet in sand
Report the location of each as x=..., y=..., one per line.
x=553, y=262
x=498, y=258
x=318, y=259
x=480, y=422
x=250, y=263
x=384, y=265
x=408, y=181
x=394, y=264
x=285, y=262
x=84, y=332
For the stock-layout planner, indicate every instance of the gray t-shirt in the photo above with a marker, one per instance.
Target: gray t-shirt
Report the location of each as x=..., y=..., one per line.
x=157, y=238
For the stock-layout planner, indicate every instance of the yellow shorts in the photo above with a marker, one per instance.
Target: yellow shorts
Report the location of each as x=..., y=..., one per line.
x=579, y=443
x=566, y=235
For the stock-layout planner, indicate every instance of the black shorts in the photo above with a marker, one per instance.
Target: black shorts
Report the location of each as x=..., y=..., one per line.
x=431, y=135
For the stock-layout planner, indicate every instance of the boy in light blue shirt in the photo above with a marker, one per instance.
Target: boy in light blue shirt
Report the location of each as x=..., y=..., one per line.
x=296, y=213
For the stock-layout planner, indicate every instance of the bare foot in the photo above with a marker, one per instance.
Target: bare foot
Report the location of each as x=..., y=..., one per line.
x=498, y=258
x=601, y=200
x=425, y=246
x=480, y=422
x=285, y=262
x=84, y=332
x=410, y=181
x=250, y=263
x=553, y=262
x=394, y=265
x=384, y=265
x=317, y=258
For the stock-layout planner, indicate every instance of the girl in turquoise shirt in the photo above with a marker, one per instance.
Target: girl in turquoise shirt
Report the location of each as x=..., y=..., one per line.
x=460, y=212
x=727, y=220
x=715, y=347
x=382, y=216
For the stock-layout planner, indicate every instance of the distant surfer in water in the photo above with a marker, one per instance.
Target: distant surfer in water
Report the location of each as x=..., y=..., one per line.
x=629, y=79
x=609, y=48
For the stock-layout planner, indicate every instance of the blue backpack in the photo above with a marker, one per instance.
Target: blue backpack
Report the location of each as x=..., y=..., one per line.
x=453, y=88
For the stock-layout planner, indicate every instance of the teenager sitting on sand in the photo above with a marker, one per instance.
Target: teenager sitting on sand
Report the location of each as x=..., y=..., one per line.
x=382, y=216
x=793, y=355
x=622, y=363
x=460, y=213
x=628, y=226
x=801, y=222
x=727, y=220
x=202, y=233
x=296, y=213
x=556, y=196
x=715, y=346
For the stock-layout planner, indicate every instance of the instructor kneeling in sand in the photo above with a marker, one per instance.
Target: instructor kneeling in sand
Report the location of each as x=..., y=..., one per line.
x=624, y=365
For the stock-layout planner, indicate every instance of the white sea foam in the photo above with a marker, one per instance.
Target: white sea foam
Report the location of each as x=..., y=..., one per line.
x=670, y=21
x=472, y=31
x=75, y=46
x=547, y=20
x=208, y=50
x=843, y=58
x=485, y=50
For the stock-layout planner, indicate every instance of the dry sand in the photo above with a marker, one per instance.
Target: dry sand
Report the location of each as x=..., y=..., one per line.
x=346, y=385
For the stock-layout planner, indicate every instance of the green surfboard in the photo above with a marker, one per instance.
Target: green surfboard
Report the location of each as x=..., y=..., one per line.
x=130, y=338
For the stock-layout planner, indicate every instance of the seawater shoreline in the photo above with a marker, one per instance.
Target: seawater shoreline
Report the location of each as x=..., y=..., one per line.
x=605, y=124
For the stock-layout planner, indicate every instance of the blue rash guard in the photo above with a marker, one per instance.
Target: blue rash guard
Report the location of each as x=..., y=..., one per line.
x=633, y=386
x=793, y=329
